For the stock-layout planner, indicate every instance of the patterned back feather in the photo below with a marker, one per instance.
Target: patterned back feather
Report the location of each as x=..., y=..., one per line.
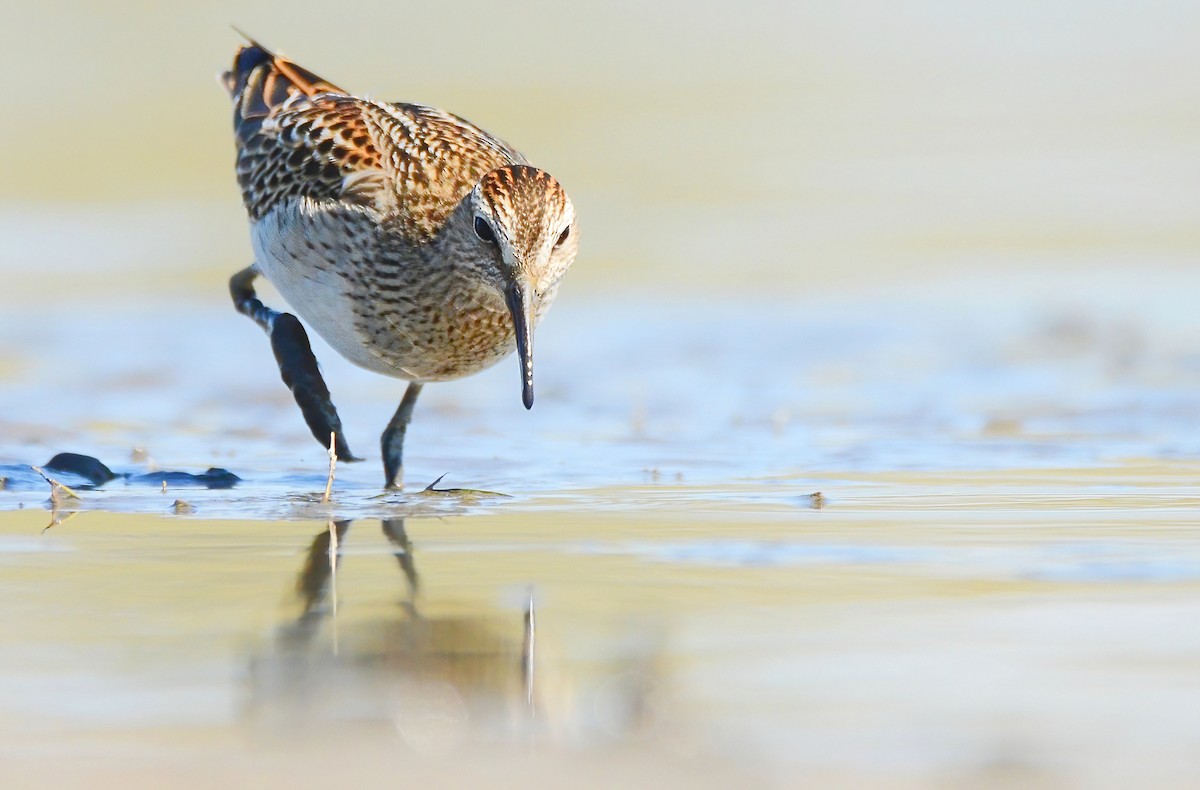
x=299, y=136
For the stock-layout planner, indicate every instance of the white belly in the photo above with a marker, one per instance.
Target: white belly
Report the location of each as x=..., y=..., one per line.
x=309, y=261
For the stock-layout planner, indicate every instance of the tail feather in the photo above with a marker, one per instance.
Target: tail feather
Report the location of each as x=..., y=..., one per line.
x=261, y=80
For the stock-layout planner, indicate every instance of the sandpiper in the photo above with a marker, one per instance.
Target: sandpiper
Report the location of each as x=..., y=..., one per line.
x=417, y=244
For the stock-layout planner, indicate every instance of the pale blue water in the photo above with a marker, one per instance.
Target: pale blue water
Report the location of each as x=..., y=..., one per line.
x=807, y=395
x=935, y=262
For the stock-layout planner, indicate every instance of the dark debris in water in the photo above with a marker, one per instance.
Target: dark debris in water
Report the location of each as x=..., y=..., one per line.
x=73, y=477
x=214, y=477
x=95, y=473
x=462, y=493
x=85, y=466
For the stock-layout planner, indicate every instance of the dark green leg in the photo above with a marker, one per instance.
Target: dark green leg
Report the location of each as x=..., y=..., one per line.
x=297, y=365
x=392, y=441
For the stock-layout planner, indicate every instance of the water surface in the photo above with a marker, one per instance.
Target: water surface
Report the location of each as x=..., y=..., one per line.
x=865, y=449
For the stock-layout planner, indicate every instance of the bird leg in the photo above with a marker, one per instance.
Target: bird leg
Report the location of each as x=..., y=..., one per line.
x=297, y=365
x=392, y=441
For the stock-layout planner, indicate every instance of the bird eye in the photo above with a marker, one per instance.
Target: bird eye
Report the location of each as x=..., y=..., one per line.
x=562, y=237
x=484, y=231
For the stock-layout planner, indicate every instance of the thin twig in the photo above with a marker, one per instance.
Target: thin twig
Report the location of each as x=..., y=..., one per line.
x=58, y=517
x=58, y=491
x=333, y=590
x=332, y=465
x=527, y=664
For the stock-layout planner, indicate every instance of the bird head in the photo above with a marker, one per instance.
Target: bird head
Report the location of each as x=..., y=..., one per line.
x=522, y=228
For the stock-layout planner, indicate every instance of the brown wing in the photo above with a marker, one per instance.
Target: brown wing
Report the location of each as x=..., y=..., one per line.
x=260, y=82
x=298, y=135
x=432, y=159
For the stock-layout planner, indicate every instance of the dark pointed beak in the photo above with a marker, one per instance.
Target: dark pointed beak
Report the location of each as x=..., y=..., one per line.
x=519, y=297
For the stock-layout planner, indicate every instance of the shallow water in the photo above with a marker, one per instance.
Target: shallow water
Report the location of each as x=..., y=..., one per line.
x=995, y=585
x=1001, y=637
x=865, y=449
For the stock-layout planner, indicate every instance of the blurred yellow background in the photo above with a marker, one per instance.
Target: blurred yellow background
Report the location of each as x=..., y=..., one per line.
x=928, y=265
x=710, y=149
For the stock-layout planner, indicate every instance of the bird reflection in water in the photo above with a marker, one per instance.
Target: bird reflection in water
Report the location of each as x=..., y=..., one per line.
x=426, y=675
